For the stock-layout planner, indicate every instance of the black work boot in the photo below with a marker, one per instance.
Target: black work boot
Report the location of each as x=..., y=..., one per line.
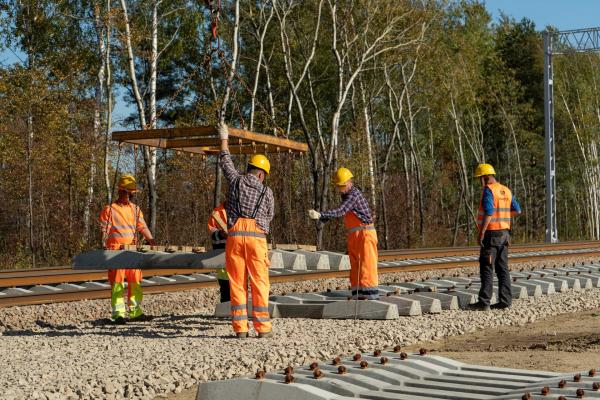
x=242, y=335
x=119, y=321
x=499, y=306
x=479, y=307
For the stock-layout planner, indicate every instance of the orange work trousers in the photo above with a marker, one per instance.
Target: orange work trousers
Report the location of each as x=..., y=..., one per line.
x=116, y=278
x=247, y=256
x=362, y=250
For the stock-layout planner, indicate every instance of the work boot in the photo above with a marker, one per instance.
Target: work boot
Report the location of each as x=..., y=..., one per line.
x=119, y=321
x=479, y=307
x=242, y=335
x=499, y=306
x=141, y=318
x=265, y=335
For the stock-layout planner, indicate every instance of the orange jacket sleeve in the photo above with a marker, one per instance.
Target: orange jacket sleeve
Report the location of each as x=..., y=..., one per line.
x=141, y=223
x=105, y=220
x=212, y=224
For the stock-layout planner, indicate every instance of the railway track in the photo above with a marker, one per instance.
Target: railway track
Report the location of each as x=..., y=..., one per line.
x=62, y=284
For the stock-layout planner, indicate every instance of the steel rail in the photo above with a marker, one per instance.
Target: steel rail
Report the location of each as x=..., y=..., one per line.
x=58, y=275
x=403, y=254
x=91, y=294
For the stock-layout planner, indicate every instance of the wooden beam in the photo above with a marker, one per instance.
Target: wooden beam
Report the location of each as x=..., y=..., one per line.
x=268, y=139
x=192, y=146
x=209, y=133
x=203, y=142
x=259, y=148
x=148, y=142
x=165, y=133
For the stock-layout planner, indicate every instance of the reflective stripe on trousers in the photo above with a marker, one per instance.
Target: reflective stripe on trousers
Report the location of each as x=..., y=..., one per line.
x=247, y=234
x=247, y=259
x=360, y=228
x=135, y=295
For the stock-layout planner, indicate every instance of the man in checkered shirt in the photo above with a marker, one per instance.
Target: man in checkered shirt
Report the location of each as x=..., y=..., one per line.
x=362, y=238
x=250, y=209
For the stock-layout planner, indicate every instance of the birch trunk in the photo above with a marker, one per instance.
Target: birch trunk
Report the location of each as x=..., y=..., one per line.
x=223, y=109
x=107, y=63
x=97, y=121
x=371, y=168
x=29, y=159
x=150, y=153
x=260, y=34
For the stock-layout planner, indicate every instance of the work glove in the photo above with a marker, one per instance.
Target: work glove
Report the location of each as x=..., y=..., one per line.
x=313, y=214
x=223, y=131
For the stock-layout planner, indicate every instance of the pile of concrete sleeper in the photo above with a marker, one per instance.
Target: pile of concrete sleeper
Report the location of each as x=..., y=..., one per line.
x=396, y=375
x=427, y=296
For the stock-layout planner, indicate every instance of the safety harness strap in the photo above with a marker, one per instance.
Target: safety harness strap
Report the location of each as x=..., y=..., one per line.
x=259, y=202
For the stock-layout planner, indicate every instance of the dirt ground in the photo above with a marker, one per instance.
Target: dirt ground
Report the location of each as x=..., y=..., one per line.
x=563, y=343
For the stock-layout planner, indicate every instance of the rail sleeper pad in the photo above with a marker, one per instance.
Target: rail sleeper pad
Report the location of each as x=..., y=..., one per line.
x=292, y=307
x=416, y=377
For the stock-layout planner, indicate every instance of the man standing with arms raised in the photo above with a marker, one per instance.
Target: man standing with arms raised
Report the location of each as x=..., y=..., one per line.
x=250, y=209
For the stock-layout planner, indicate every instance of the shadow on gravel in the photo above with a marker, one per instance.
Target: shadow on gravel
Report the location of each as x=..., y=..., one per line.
x=172, y=326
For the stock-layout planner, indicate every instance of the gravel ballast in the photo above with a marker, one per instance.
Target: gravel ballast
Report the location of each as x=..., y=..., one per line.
x=69, y=351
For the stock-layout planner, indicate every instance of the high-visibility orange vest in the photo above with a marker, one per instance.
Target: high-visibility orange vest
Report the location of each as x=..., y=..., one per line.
x=120, y=222
x=218, y=219
x=501, y=219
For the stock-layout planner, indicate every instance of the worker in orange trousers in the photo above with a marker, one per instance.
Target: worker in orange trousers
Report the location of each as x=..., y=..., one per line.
x=119, y=223
x=250, y=209
x=361, y=236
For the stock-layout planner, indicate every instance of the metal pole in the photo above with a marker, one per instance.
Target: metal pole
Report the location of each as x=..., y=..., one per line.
x=551, y=228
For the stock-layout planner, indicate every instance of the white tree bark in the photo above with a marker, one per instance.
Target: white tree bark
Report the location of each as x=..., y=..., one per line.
x=131, y=63
x=371, y=167
x=234, y=59
x=100, y=29
x=260, y=32
x=107, y=63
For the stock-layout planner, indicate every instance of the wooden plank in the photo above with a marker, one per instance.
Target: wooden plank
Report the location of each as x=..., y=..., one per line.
x=163, y=143
x=165, y=133
x=235, y=149
x=199, y=142
x=209, y=132
x=194, y=150
x=268, y=139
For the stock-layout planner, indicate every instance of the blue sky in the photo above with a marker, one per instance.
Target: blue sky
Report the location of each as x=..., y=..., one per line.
x=562, y=14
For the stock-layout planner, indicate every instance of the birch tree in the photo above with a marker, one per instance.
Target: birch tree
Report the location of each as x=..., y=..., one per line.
x=150, y=154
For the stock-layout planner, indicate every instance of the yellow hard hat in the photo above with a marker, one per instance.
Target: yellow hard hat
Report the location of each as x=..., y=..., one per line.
x=342, y=175
x=260, y=161
x=127, y=182
x=484, y=169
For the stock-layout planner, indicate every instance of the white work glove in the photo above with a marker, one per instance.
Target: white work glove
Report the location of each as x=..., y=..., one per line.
x=313, y=214
x=223, y=131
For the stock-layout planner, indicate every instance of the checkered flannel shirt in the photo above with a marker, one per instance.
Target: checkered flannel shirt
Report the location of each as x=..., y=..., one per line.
x=250, y=189
x=353, y=201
